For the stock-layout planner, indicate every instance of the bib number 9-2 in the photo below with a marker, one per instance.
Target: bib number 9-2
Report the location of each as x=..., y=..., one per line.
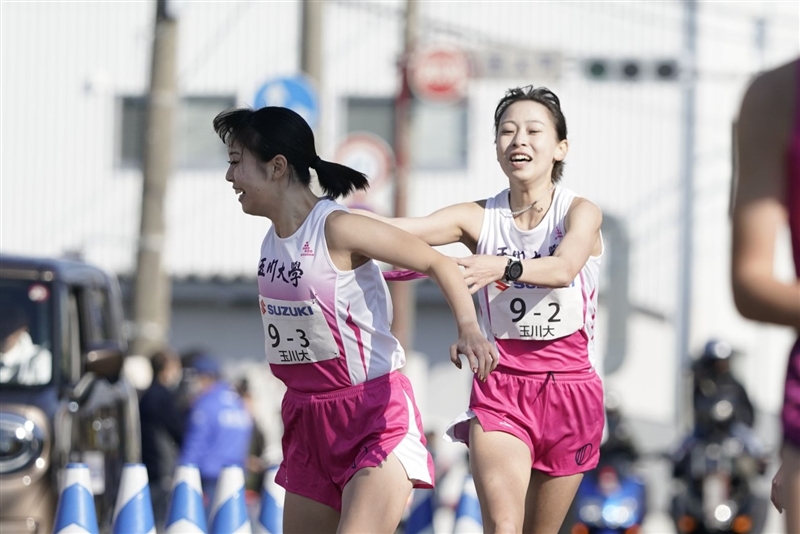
x=519, y=308
x=535, y=313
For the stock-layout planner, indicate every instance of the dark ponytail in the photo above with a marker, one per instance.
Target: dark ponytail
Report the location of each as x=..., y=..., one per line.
x=339, y=180
x=270, y=131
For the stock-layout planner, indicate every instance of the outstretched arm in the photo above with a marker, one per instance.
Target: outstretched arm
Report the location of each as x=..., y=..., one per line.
x=350, y=236
x=581, y=239
x=760, y=204
x=459, y=223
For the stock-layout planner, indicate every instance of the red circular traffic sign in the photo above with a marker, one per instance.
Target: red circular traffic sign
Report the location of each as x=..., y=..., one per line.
x=439, y=73
x=367, y=153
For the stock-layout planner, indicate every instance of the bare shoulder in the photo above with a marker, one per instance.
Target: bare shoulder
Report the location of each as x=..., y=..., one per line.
x=769, y=100
x=584, y=207
x=762, y=131
x=584, y=215
x=342, y=223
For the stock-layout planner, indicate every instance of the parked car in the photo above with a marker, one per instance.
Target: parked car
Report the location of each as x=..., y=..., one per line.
x=62, y=396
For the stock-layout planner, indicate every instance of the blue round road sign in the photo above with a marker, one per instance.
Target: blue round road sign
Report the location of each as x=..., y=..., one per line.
x=293, y=92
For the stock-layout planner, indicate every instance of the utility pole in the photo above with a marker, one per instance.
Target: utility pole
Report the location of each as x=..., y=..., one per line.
x=761, y=41
x=152, y=291
x=683, y=319
x=311, y=61
x=311, y=46
x=403, y=296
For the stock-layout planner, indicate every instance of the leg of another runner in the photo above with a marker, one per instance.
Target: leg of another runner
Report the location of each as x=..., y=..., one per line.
x=501, y=466
x=301, y=515
x=548, y=502
x=375, y=498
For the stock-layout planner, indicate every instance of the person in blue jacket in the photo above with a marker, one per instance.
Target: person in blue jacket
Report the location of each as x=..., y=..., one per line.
x=218, y=426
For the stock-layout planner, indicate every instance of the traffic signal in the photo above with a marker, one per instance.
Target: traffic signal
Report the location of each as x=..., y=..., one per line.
x=631, y=70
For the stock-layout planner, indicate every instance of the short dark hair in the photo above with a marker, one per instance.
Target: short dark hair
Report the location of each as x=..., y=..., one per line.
x=548, y=99
x=272, y=130
x=160, y=358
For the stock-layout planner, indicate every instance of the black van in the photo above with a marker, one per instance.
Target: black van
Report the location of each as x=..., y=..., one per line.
x=62, y=397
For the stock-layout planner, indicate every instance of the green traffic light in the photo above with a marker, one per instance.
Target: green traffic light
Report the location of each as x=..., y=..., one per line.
x=597, y=69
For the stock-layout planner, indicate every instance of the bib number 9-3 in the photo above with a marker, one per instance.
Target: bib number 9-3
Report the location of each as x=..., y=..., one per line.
x=296, y=332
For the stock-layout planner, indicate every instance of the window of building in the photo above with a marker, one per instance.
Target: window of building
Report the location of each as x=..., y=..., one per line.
x=438, y=131
x=195, y=144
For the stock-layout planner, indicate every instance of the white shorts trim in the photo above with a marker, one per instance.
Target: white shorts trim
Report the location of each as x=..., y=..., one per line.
x=413, y=455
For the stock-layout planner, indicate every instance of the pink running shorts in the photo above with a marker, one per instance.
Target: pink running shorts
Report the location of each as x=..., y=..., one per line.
x=790, y=414
x=559, y=416
x=329, y=436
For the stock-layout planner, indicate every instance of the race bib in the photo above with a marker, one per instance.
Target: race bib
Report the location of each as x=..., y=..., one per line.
x=525, y=311
x=296, y=332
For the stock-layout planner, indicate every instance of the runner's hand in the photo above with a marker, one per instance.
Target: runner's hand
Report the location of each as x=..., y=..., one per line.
x=480, y=352
x=481, y=270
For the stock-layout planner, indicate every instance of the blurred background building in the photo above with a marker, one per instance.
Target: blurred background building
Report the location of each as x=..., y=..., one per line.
x=650, y=91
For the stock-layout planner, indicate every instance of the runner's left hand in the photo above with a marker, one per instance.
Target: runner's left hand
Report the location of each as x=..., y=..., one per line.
x=481, y=270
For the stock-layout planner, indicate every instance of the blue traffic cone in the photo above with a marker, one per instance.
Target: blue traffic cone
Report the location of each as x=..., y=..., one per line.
x=186, y=514
x=75, y=513
x=133, y=513
x=468, y=512
x=420, y=514
x=228, y=511
x=270, y=519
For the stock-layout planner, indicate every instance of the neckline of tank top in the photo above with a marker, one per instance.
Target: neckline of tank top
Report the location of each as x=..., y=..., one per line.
x=511, y=213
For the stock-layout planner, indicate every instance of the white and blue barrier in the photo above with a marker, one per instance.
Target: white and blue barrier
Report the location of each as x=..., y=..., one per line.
x=186, y=514
x=75, y=513
x=270, y=520
x=228, y=511
x=468, y=512
x=421, y=511
x=133, y=513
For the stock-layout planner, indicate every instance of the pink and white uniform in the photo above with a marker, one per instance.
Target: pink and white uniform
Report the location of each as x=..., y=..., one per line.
x=327, y=337
x=561, y=337
x=301, y=293
x=545, y=390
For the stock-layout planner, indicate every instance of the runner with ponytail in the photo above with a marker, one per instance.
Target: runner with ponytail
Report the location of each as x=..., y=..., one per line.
x=353, y=443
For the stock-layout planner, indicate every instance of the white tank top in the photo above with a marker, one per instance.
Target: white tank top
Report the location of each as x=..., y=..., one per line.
x=324, y=329
x=537, y=329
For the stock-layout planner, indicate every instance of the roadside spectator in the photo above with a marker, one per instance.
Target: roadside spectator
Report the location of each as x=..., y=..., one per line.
x=162, y=428
x=21, y=360
x=256, y=464
x=218, y=427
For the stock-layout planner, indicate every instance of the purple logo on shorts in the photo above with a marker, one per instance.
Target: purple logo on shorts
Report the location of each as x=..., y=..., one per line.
x=366, y=450
x=583, y=454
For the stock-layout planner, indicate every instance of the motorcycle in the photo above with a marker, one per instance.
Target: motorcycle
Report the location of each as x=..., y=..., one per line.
x=713, y=474
x=612, y=498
